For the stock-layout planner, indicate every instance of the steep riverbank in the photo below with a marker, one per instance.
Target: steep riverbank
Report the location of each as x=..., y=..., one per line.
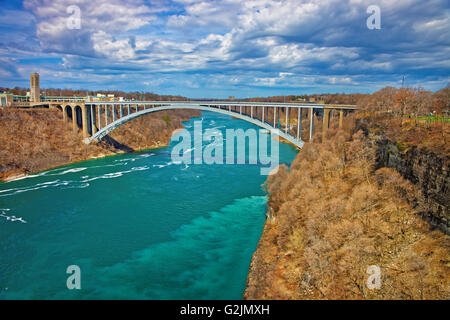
x=334, y=214
x=38, y=140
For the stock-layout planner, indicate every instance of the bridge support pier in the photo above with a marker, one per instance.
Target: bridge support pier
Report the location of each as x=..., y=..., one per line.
x=93, y=122
x=289, y=110
x=326, y=122
x=341, y=118
x=84, y=120
x=74, y=118
x=64, y=114
x=106, y=115
x=275, y=117
x=311, y=123
x=286, y=121
x=99, y=109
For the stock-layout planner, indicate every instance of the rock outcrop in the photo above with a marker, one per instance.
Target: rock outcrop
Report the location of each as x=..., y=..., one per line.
x=428, y=171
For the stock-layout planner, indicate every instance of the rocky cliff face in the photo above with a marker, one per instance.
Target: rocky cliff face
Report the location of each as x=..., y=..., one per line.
x=428, y=171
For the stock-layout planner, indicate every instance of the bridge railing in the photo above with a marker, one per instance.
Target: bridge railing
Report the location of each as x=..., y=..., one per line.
x=63, y=99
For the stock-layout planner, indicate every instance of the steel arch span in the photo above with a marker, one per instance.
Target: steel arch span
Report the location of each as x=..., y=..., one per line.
x=258, y=122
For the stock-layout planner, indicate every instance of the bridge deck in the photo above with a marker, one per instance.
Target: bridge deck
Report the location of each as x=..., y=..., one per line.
x=228, y=103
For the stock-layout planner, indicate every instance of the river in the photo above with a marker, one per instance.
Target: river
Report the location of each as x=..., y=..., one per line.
x=138, y=225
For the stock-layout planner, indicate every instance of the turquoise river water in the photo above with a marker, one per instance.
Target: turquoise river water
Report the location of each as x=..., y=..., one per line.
x=138, y=225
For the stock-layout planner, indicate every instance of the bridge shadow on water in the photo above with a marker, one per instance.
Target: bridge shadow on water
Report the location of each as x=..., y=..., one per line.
x=116, y=144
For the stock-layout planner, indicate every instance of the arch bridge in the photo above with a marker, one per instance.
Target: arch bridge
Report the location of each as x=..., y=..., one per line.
x=98, y=119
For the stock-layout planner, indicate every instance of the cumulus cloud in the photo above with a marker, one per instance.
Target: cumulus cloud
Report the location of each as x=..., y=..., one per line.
x=98, y=18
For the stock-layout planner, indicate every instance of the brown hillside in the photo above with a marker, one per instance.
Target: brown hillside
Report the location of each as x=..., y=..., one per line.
x=39, y=139
x=333, y=217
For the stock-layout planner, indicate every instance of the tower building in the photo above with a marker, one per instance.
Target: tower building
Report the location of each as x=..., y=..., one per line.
x=35, y=92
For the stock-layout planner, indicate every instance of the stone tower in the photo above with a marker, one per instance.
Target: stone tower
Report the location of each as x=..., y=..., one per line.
x=35, y=92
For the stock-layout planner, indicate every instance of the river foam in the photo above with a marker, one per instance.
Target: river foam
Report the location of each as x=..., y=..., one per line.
x=10, y=218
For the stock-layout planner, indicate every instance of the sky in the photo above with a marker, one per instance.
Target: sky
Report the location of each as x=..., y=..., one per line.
x=216, y=49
